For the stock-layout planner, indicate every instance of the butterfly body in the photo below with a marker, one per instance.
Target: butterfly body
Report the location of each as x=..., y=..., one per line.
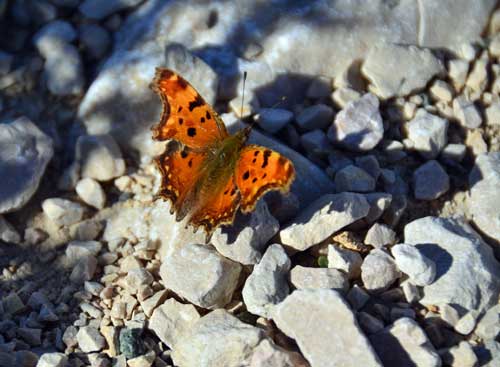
x=208, y=174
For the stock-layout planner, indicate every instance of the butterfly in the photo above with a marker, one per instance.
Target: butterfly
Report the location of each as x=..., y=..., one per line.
x=206, y=173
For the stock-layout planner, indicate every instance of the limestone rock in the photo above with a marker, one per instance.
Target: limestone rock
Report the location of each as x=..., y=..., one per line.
x=318, y=278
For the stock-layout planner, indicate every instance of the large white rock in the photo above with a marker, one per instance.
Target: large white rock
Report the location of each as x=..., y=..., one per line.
x=172, y=320
x=420, y=269
x=467, y=274
x=404, y=343
x=217, y=339
x=24, y=155
x=316, y=320
x=323, y=218
x=396, y=70
x=484, y=181
x=201, y=275
x=267, y=285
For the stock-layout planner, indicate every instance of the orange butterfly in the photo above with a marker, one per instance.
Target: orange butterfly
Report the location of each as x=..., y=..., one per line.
x=208, y=174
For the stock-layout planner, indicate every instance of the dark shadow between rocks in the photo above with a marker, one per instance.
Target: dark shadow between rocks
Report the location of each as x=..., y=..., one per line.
x=440, y=256
x=390, y=351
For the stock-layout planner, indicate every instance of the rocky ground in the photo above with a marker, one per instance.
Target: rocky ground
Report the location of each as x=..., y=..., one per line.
x=385, y=253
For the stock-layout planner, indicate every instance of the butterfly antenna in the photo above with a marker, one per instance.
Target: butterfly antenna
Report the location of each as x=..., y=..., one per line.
x=243, y=94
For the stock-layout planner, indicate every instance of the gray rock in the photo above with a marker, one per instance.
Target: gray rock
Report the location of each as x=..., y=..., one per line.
x=404, y=343
x=338, y=161
x=460, y=355
x=318, y=278
x=430, y=181
x=8, y=233
x=172, y=320
x=378, y=271
x=200, y=275
x=318, y=116
x=320, y=87
x=246, y=239
x=25, y=153
x=358, y=126
x=95, y=9
x=269, y=354
x=273, y=119
x=369, y=163
x=95, y=39
x=267, y=285
x=52, y=360
x=5, y=62
x=420, y=269
x=456, y=249
x=484, y=180
x=370, y=324
x=63, y=212
x=466, y=323
x=428, y=134
x=329, y=318
x=455, y=152
x=346, y=260
x=379, y=202
x=410, y=291
x=410, y=67
x=380, y=235
x=217, y=339
x=315, y=142
x=357, y=297
x=99, y=157
x=32, y=336
x=91, y=192
x=90, y=339
x=352, y=178
x=466, y=112
x=322, y=218
x=488, y=326
x=57, y=31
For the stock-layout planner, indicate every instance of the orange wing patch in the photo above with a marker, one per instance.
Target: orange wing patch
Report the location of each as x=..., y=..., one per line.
x=219, y=209
x=186, y=116
x=179, y=168
x=260, y=170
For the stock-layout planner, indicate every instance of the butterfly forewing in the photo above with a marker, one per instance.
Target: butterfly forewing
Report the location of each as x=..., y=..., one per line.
x=186, y=116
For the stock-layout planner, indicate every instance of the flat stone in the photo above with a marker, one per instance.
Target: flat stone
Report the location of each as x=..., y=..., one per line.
x=100, y=157
x=149, y=304
x=95, y=9
x=90, y=339
x=346, y=260
x=442, y=91
x=370, y=324
x=358, y=126
x=493, y=114
x=329, y=318
x=145, y=360
x=344, y=95
x=323, y=218
x=457, y=71
x=217, y=339
x=428, y=134
x=25, y=153
x=267, y=285
x=273, y=119
x=200, y=275
x=430, y=181
x=411, y=69
x=478, y=76
x=380, y=235
x=318, y=278
x=111, y=334
x=354, y=179
x=91, y=192
x=318, y=116
x=269, y=354
x=136, y=278
x=172, y=320
x=63, y=212
x=378, y=271
x=404, y=343
x=466, y=112
x=484, y=180
x=420, y=269
x=456, y=248
x=52, y=360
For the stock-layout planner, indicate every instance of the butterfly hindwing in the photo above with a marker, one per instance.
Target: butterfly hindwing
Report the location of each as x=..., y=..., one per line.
x=186, y=116
x=260, y=169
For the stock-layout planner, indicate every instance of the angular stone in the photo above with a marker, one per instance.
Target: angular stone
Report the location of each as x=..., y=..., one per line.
x=267, y=285
x=322, y=218
x=441, y=91
x=90, y=339
x=457, y=71
x=329, y=318
x=273, y=119
x=52, y=360
x=410, y=67
x=63, y=212
x=346, y=260
x=354, y=179
x=200, y=275
x=217, y=339
x=428, y=133
x=488, y=326
x=318, y=116
x=461, y=355
x=359, y=125
x=404, y=343
x=91, y=192
x=420, y=269
x=172, y=320
x=455, y=152
x=25, y=153
x=315, y=142
x=318, y=278
x=466, y=112
x=151, y=303
x=456, y=248
x=430, y=181
x=378, y=271
x=380, y=235
x=269, y=354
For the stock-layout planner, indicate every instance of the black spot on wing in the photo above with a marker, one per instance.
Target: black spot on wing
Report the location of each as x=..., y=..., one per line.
x=184, y=154
x=256, y=153
x=181, y=121
x=183, y=84
x=254, y=180
x=190, y=163
x=198, y=101
x=179, y=109
x=208, y=116
x=191, y=132
x=246, y=175
x=267, y=153
x=202, y=120
x=281, y=160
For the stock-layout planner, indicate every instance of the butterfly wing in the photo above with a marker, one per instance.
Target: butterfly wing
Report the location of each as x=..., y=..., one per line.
x=219, y=208
x=259, y=170
x=180, y=168
x=186, y=116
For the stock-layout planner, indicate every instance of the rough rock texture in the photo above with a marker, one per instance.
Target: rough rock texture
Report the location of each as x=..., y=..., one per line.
x=315, y=318
x=25, y=153
x=456, y=248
